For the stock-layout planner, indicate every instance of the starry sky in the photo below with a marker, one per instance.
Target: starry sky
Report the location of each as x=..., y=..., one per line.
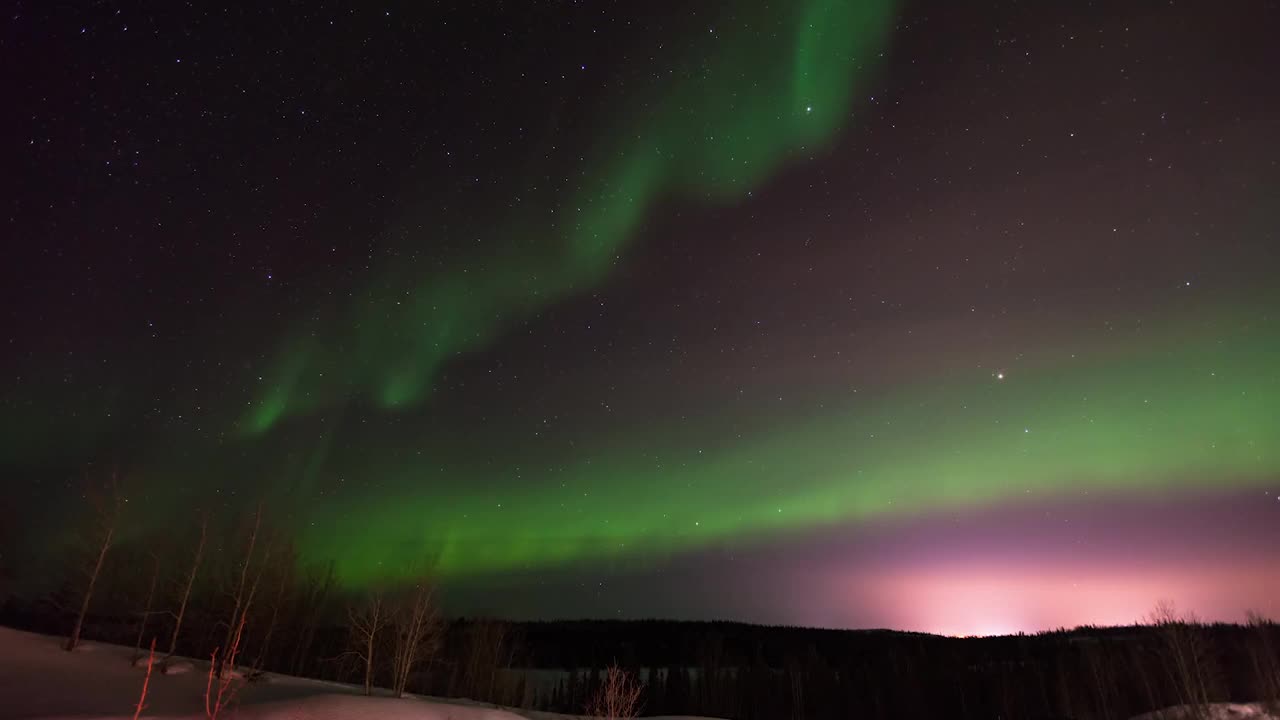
x=956, y=317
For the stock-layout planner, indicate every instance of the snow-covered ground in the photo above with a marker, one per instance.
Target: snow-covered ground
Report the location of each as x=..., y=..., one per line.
x=1217, y=711
x=40, y=680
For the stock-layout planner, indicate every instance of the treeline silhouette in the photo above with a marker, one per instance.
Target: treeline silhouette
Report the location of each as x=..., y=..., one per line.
x=743, y=671
x=747, y=672
x=188, y=592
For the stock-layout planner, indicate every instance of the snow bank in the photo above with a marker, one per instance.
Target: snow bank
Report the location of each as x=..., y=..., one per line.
x=358, y=707
x=175, y=667
x=40, y=680
x=1217, y=711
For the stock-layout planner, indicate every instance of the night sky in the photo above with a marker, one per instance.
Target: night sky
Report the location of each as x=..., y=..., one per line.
x=959, y=317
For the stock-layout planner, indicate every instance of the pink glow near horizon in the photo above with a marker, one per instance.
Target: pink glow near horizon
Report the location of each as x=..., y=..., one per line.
x=999, y=600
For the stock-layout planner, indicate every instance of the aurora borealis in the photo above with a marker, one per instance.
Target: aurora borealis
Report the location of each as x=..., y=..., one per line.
x=732, y=114
x=971, y=440
x=838, y=312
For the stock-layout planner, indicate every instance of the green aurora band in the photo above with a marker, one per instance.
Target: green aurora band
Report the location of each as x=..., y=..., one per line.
x=1161, y=417
x=333, y=426
x=1174, y=414
x=773, y=80
x=1162, y=413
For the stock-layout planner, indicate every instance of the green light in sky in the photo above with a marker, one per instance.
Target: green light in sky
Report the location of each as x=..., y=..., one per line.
x=1160, y=419
x=774, y=79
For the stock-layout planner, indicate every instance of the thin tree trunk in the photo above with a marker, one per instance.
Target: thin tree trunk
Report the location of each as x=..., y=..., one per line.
x=366, y=624
x=253, y=590
x=316, y=605
x=146, y=613
x=244, y=578
x=271, y=627
x=368, y=664
x=74, y=639
x=186, y=592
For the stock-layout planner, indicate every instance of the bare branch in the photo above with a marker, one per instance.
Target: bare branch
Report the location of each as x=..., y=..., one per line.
x=617, y=698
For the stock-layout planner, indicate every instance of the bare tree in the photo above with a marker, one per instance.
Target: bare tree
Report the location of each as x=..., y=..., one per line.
x=617, y=697
x=186, y=590
x=417, y=626
x=257, y=580
x=239, y=595
x=364, y=624
x=146, y=682
x=107, y=504
x=1141, y=669
x=1097, y=660
x=219, y=694
x=311, y=603
x=489, y=649
x=146, y=613
x=1262, y=656
x=1186, y=656
x=244, y=590
x=285, y=567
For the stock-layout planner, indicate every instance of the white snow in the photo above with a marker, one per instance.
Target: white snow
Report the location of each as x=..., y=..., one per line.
x=176, y=667
x=40, y=680
x=1216, y=711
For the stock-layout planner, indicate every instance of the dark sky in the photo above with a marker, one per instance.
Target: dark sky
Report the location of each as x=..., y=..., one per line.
x=946, y=316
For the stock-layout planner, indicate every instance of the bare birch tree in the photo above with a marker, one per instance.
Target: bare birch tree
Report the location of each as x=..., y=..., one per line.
x=186, y=590
x=488, y=651
x=365, y=624
x=311, y=604
x=1186, y=654
x=617, y=697
x=285, y=566
x=417, y=627
x=1262, y=655
x=146, y=682
x=240, y=595
x=146, y=612
x=219, y=695
x=107, y=505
